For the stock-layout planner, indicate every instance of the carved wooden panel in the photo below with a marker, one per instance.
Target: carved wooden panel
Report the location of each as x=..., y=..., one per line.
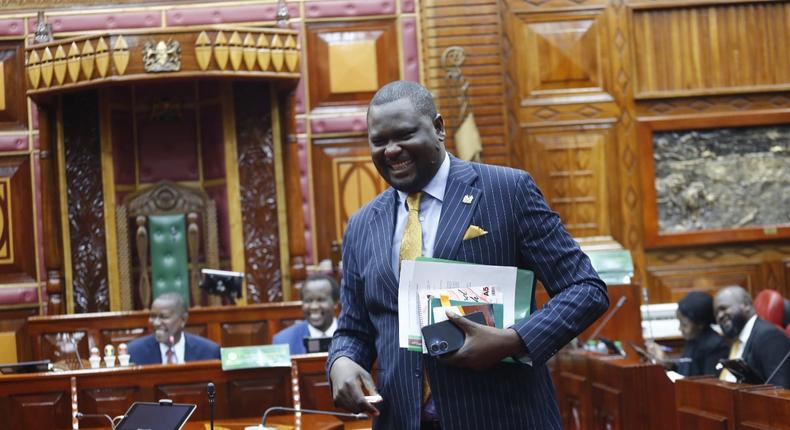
x=672, y=283
x=85, y=202
x=364, y=49
x=314, y=390
x=185, y=393
x=344, y=180
x=42, y=410
x=126, y=335
x=711, y=48
x=445, y=23
x=112, y=401
x=571, y=169
x=560, y=53
x=258, y=192
x=243, y=334
x=13, y=102
x=17, y=244
x=197, y=329
x=251, y=396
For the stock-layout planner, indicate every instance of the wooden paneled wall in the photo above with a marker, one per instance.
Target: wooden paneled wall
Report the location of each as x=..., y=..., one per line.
x=474, y=26
x=587, y=81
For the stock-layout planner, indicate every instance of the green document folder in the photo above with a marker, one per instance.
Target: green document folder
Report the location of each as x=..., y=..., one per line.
x=525, y=284
x=247, y=357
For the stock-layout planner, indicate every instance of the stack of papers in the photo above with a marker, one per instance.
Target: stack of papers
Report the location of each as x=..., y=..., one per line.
x=429, y=286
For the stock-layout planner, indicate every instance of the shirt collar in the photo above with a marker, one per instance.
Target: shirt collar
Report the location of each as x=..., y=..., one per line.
x=314, y=332
x=179, y=348
x=434, y=188
x=747, y=329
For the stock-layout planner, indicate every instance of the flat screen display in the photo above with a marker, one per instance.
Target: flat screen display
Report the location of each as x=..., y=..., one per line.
x=154, y=416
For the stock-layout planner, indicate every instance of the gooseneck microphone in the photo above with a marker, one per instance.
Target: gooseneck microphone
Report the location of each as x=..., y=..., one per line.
x=608, y=317
x=211, y=392
x=357, y=416
x=781, y=363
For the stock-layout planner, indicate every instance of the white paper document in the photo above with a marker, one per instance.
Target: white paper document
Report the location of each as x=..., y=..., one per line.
x=420, y=278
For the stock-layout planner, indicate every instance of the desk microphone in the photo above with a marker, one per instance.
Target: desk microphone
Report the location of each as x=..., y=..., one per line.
x=211, y=392
x=80, y=416
x=77, y=351
x=608, y=317
x=358, y=416
x=781, y=363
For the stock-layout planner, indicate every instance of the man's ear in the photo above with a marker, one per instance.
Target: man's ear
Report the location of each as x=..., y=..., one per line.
x=438, y=125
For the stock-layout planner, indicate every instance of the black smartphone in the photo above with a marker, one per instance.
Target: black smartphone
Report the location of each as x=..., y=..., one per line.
x=444, y=337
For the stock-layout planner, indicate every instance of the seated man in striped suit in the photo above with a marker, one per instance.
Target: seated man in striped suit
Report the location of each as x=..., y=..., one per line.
x=433, y=201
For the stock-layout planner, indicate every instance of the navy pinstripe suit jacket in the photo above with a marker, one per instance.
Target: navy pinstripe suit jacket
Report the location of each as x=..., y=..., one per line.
x=523, y=232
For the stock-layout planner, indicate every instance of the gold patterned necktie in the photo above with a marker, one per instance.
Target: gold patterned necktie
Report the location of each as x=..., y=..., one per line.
x=411, y=248
x=411, y=243
x=733, y=354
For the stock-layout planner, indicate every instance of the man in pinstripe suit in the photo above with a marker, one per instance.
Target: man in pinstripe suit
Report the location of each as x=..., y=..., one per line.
x=471, y=389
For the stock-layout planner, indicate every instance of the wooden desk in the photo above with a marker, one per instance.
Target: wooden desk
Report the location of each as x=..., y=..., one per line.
x=625, y=326
x=599, y=392
x=765, y=408
x=705, y=403
x=255, y=324
x=43, y=400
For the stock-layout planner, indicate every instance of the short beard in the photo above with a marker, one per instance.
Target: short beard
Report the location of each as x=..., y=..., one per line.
x=736, y=325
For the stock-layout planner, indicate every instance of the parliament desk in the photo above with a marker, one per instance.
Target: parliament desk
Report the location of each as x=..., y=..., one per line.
x=707, y=403
x=602, y=391
x=44, y=400
x=54, y=337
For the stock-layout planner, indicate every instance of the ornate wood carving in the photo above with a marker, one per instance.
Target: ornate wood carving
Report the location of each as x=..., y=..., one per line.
x=258, y=193
x=85, y=202
x=144, y=286
x=137, y=53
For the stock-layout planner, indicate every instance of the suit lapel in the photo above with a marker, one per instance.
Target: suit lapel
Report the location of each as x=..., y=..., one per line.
x=187, y=355
x=382, y=228
x=457, y=210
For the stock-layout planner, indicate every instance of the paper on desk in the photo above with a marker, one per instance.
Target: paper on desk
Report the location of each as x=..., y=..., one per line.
x=419, y=276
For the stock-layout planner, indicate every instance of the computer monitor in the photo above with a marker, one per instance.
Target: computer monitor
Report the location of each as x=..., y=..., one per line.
x=163, y=415
x=222, y=283
x=25, y=367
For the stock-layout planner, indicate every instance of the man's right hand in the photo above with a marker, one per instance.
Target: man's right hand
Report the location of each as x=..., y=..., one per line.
x=348, y=378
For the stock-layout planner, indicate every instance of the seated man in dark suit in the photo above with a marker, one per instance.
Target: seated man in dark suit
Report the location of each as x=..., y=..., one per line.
x=320, y=294
x=169, y=344
x=703, y=347
x=759, y=343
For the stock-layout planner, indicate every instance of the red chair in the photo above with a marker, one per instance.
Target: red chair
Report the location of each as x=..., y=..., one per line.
x=770, y=306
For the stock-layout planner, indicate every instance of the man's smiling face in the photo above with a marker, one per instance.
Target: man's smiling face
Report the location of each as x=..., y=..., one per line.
x=406, y=146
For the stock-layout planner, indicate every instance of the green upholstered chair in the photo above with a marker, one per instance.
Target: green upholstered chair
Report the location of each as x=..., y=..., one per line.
x=167, y=220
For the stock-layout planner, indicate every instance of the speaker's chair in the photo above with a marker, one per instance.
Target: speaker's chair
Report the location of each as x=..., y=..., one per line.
x=167, y=220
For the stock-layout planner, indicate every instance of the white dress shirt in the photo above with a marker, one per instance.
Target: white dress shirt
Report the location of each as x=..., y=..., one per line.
x=430, y=211
x=746, y=331
x=314, y=332
x=178, y=348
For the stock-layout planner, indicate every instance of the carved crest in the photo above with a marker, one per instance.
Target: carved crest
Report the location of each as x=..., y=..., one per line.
x=162, y=56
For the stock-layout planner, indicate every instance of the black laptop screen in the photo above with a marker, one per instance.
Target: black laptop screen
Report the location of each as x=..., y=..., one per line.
x=153, y=416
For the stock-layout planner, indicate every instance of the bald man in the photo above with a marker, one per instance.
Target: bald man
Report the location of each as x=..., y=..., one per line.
x=759, y=343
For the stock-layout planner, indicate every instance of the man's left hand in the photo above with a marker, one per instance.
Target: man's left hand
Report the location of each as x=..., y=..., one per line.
x=484, y=346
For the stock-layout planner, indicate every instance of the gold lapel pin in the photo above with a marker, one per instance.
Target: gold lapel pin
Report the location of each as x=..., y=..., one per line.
x=468, y=199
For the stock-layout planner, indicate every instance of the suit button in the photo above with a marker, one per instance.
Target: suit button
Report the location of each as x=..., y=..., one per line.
x=416, y=373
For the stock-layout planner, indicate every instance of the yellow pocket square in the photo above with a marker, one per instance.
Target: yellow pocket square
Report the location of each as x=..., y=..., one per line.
x=474, y=231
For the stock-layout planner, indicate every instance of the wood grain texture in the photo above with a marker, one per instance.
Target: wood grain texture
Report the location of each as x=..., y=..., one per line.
x=16, y=234
x=446, y=23
x=711, y=49
x=13, y=109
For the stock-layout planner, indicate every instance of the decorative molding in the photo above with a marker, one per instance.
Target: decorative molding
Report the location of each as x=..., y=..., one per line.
x=265, y=53
x=6, y=222
x=85, y=203
x=255, y=147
